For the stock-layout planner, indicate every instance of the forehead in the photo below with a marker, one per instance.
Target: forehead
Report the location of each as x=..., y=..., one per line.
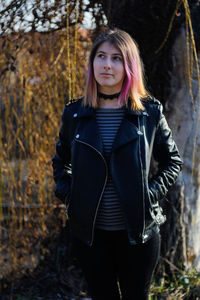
x=108, y=48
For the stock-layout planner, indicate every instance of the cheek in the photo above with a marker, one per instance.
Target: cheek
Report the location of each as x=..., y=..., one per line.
x=122, y=72
x=95, y=68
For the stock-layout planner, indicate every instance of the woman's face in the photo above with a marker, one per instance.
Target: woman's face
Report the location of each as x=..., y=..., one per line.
x=108, y=68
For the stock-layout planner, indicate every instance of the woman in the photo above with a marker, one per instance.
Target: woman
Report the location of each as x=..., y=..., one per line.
x=101, y=170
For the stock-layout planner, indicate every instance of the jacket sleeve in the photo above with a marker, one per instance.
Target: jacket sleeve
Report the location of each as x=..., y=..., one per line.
x=61, y=162
x=169, y=161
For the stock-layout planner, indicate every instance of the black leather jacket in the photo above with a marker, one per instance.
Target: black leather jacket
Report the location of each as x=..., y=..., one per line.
x=80, y=169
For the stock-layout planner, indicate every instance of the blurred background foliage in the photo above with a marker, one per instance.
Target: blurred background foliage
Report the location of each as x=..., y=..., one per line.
x=42, y=65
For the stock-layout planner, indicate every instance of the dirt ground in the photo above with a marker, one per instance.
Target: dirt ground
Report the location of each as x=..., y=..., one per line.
x=58, y=276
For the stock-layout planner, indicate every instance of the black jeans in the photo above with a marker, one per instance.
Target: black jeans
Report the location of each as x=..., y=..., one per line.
x=112, y=266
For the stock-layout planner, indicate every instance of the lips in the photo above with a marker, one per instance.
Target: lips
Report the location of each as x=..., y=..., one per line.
x=106, y=74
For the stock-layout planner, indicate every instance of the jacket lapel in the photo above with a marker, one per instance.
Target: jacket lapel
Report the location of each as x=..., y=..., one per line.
x=127, y=133
x=88, y=131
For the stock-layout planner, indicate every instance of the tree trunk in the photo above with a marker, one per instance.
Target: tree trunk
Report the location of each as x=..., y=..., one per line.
x=184, y=122
x=166, y=73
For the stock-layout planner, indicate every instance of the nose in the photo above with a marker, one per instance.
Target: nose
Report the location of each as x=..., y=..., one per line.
x=107, y=64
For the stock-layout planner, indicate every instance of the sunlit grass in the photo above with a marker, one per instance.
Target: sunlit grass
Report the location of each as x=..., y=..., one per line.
x=185, y=285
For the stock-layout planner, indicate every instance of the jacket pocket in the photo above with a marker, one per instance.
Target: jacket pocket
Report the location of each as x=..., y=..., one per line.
x=155, y=209
x=62, y=190
x=67, y=203
x=156, y=213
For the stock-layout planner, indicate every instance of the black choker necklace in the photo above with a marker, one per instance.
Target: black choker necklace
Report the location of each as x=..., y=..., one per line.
x=105, y=96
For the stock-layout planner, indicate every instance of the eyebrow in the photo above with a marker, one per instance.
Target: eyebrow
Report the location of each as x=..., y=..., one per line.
x=106, y=53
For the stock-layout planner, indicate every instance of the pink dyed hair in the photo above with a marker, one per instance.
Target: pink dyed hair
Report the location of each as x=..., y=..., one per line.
x=133, y=87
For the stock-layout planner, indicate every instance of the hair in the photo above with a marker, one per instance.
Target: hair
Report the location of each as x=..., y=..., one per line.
x=133, y=86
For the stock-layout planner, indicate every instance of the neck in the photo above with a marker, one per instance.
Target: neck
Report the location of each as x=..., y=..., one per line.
x=108, y=96
x=106, y=99
x=108, y=103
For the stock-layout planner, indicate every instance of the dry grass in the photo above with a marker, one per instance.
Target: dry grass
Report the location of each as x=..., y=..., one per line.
x=33, y=87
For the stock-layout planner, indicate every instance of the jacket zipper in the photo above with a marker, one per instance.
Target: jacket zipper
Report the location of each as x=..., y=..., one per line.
x=102, y=189
x=141, y=165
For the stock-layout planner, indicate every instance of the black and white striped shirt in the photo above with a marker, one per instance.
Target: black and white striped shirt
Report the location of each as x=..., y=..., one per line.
x=109, y=216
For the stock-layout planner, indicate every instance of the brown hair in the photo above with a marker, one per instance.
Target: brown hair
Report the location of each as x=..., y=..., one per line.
x=133, y=86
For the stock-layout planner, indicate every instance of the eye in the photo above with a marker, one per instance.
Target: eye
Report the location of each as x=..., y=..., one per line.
x=100, y=55
x=117, y=58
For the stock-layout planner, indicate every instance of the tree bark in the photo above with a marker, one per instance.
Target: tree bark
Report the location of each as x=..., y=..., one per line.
x=184, y=123
x=167, y=78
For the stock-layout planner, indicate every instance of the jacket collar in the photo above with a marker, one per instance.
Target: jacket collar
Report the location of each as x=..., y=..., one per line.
x=127, y=131
x=88, y=111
